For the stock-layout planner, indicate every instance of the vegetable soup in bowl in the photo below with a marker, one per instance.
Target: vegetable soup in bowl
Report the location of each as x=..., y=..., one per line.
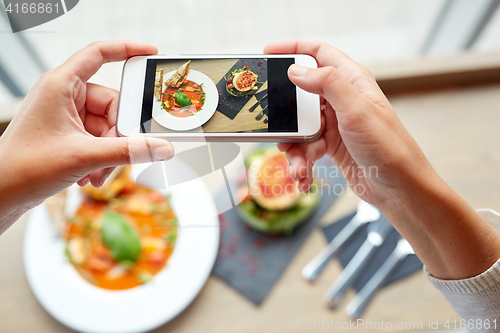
x=122, y=242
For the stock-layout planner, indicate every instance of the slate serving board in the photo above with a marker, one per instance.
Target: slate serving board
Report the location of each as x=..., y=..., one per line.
x=229, y=105
x=251, y=262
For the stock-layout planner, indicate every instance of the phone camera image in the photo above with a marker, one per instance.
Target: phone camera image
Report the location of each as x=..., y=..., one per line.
x=226, y=95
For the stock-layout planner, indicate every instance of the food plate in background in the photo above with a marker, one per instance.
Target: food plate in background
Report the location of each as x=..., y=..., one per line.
x=204, y=114
x=85, y=307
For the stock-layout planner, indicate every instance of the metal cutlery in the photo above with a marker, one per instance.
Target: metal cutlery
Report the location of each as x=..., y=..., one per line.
x=365, y=213
x=253, y=107
x=359, y=303
x=261, y=113
x=377, y=233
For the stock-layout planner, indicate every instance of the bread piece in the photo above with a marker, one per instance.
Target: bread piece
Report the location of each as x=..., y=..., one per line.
x=179, y=76
x=158, y=84
x=56, y=206
x=116, y=182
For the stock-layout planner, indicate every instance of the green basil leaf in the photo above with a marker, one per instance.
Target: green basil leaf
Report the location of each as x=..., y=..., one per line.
x=120, y=237
x=182, y=99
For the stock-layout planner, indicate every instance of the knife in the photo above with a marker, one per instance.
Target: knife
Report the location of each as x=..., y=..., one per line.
x=365, y=213
x=253, y=107
x=377, y=233
x=359, y=303
x=261, y=113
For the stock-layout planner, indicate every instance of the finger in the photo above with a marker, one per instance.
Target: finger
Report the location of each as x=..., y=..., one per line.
x=108, y=152
x=102, y=101
x=84, y=181
x=331, y=134
x=297, y=163
x=305, y=184
x=284, y=146
x=314, y=150
x=101, y=104
x=329, y=83
x=97, y=178
x=96, y=125
x=325, y=54
x=111, y=133
x=87, y=61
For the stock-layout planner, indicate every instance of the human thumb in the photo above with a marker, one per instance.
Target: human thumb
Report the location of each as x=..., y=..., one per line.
x=110, y=152
x=330, y=83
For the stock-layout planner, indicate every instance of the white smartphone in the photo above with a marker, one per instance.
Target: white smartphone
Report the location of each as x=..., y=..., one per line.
x=217, y=98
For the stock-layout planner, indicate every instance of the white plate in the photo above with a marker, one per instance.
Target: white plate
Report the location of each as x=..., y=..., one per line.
x=206, y=112
x=85, y=307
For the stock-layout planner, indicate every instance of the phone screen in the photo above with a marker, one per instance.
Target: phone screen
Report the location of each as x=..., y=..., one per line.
x=219, y=96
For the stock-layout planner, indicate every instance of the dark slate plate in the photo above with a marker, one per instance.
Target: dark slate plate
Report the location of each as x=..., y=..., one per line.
x=230, y=105
x=251, y=262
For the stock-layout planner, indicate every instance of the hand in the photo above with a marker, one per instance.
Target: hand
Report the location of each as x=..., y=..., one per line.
x=361, y=132
x=384, y=165
x=65, y=132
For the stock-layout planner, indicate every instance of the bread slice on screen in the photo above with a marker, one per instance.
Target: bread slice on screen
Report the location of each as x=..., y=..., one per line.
x=179, y=76
x=158, y=84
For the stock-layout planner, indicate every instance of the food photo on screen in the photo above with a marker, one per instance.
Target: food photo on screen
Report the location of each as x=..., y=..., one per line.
x=225, y=95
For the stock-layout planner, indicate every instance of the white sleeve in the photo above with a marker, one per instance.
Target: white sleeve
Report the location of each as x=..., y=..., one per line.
x=477, y=297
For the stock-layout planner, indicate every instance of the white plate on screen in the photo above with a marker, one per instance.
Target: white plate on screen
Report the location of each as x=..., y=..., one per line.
x=85, y=307
x=206, y=112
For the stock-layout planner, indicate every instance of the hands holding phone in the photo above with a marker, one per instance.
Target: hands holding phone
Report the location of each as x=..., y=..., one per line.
x=65, y=131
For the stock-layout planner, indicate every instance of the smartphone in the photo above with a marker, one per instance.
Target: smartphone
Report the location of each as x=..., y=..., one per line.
x=217, y=98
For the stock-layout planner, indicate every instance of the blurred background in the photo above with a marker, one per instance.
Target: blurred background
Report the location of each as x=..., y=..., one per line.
x=370, y=31
x=437, y=60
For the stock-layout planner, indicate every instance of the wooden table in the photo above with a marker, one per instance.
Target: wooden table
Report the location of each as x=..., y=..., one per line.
x=215, y=69
x=459, y=131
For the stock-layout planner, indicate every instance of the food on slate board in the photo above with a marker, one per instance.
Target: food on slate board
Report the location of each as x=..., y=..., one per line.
x=273, y=204
x=242, y=82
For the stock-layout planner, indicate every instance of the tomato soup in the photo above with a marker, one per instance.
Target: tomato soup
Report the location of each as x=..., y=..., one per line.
x=184, y=101
x=148, y=215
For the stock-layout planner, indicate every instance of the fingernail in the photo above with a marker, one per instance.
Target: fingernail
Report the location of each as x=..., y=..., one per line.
x=297, y=70
x=103, y=179
x=85, y=181
x=162, y=153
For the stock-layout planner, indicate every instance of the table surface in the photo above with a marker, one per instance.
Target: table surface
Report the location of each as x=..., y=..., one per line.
x=457, y=130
